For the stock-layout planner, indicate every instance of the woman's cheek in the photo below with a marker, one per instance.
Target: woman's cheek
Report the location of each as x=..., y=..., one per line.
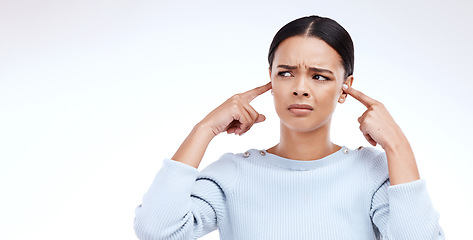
x=278, y=102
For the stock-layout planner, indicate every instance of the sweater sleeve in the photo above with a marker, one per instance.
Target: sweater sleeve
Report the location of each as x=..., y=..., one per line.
x=181, y=203
x=405, y=211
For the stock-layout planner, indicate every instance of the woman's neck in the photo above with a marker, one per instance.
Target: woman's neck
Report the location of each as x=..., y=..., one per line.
x=311, y=145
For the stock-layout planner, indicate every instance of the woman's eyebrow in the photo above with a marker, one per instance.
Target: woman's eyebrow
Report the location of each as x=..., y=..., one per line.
x=310, y=68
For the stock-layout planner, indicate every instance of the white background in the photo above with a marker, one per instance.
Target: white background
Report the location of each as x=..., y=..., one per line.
x=94, y=94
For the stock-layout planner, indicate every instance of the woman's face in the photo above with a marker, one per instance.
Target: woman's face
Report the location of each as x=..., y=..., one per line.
x=307, y=77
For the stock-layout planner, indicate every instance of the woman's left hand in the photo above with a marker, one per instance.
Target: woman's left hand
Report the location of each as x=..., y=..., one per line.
x=379, y=127
x=376, y=123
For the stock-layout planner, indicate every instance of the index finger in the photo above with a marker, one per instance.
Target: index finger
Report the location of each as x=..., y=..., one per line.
x=253, y=93
x=361, y=97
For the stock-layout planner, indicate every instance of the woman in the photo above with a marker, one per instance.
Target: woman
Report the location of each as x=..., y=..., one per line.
x=305, y=187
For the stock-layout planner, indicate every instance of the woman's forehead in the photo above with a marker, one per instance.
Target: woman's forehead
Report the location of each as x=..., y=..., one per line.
x=307, y=52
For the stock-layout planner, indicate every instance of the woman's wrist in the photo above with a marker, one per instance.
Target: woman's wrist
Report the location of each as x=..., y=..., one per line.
x=203, y=131
x=401, y=162
x=193, y=148
x=397, y=143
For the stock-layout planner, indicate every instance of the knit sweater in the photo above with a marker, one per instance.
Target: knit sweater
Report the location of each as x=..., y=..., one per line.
x=259, y=195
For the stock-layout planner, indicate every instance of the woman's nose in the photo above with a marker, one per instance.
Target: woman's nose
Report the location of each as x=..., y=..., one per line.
x=297, y=93
x=301, y=89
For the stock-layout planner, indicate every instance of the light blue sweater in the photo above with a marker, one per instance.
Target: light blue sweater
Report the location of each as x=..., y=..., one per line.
x=258, y=195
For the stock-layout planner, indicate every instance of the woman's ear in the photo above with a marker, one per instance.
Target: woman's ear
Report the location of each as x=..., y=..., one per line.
x=270, y=78
x=348, y=81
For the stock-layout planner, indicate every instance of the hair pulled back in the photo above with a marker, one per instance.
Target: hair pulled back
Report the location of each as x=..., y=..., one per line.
x=323, y=28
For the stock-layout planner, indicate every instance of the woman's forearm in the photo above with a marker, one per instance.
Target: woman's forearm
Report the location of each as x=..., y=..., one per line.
x=401, y=162
x=193, y=148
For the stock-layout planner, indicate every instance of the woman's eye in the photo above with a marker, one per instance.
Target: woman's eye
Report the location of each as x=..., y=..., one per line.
x=284, y=74
x=321, y=78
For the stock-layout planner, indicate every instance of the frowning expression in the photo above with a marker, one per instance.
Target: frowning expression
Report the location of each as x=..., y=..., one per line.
x=307, y=77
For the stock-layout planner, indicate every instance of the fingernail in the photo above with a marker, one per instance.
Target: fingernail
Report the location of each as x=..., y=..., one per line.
x=344, y=86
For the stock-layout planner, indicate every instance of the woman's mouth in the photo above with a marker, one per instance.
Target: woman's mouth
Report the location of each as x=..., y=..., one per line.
x=300, y=109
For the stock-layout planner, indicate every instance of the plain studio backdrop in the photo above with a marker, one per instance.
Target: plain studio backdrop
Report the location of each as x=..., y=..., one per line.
x=94, y=94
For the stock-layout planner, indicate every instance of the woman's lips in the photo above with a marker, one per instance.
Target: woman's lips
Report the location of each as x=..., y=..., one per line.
x=300, y=109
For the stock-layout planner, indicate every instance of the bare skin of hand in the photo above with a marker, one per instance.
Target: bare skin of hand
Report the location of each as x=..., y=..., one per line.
x=378, y=127
x=235, y=115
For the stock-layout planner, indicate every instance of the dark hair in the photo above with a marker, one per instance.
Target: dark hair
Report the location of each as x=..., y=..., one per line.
x=323, y=28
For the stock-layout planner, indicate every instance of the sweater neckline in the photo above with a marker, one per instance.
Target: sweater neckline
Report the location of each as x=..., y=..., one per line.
x=303, y=165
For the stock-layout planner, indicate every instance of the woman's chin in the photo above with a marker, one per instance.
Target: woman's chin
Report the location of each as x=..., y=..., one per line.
x=302, y=125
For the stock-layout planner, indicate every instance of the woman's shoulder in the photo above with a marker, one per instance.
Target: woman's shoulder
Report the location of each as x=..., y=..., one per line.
x=368, y=151
x=223, y=171
x=374, y=160
x=370, y=154
x=229, y=161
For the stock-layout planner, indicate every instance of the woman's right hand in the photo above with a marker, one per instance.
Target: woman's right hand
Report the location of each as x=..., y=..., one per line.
x=236, y=115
